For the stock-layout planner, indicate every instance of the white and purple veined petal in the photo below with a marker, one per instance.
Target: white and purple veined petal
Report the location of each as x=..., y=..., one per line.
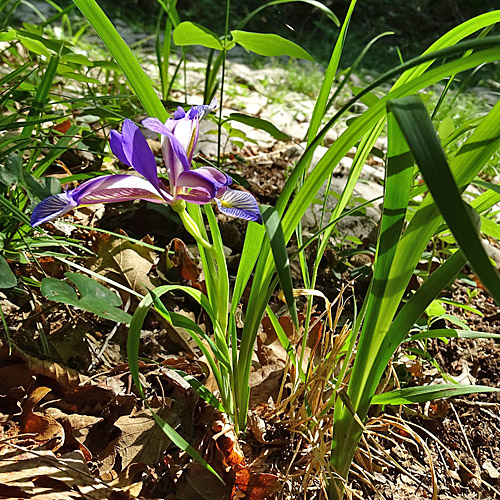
x=52, y=207
x=105, y=189
x=132, y=149
x=239, y=204
x=118, y=188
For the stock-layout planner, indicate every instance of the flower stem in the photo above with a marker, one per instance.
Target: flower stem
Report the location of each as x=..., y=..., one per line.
x=191, y=226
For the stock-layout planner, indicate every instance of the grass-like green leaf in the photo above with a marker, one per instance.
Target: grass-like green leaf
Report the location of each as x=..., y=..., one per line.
x=448, y=333
x=428, y=393
x=133, y=342
x=274, y=232
x=122, y=54
x=416, y=124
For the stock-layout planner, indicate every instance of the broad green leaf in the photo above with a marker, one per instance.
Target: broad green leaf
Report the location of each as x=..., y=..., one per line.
x=435, y=308
x=11, y=169
x=490, y=228
x=428, y=393
x=260, y=124
x=266, y=44
x=7, y=277
x=188, y=33
x=35, y=46
x=94, y=297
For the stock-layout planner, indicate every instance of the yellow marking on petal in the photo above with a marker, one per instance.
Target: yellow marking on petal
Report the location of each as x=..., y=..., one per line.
x=225, y=204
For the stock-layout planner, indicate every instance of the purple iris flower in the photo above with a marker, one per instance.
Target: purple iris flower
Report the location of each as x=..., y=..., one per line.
x=179, y=137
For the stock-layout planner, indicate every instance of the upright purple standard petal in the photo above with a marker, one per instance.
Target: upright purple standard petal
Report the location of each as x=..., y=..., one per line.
x=202, y=110
x=132, y=149
x=52, y=207
x=239, y=204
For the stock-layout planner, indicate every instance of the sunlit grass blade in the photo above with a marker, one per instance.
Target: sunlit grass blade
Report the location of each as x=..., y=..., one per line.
x=274, y=233
x=330, y=73
x=448, y=333
x=201, y=390
x=122, y=54
x=425, y=393
x=41, y=94
x=249, y=255
x=415, y=122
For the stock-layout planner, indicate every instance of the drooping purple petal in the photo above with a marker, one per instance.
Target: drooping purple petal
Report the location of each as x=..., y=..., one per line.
x=138, y=153
x=52, y=207
x=239, y=204
x=156, y=125
x=117, y=188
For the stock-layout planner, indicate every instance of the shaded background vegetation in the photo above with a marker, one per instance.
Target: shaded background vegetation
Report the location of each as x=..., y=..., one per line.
x=416, y=23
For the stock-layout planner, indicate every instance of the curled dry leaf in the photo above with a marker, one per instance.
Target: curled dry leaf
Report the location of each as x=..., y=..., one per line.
x=46, y=430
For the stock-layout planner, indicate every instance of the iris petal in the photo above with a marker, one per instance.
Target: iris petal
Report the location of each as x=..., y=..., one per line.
x=208, y=179
x=202, y=110
x=138, y=152
x=239, y=204
x=106, y=189
x=117, y=188
x=52, y=207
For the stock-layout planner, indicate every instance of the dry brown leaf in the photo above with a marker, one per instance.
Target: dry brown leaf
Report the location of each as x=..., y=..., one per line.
x=125, y=262
x=250, y=485
x=65, y=377
x=20, y=469
x=142, y=440
x=44, y=428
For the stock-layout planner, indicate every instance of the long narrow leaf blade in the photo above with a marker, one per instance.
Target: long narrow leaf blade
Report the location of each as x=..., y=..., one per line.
x=416, y=125
x=274, y=231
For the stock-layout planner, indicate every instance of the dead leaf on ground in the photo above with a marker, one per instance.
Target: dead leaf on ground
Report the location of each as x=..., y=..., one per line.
x=250, y=485
x=125, y=262
x=67, y=378
x=20, y=470
x=46, y=430
x=141, y=440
